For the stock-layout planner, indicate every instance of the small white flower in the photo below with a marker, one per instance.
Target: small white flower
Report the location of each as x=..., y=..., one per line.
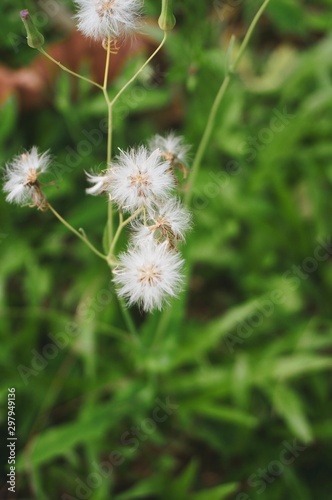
x=148, y=275
x=169, y=221
x=171, y=146
x=21, y=178
x=101, y=183
x=139, y=179
x=100, y=19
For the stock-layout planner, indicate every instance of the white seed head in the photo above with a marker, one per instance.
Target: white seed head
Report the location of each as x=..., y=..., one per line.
x=21, y=178
x=100, y=19
x=100, y=183
x=149, y=275
x=139, y=179
x=168, y=221
x=171, y=146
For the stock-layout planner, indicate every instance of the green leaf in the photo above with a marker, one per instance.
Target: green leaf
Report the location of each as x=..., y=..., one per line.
x=209, y=336
x=289, y=406
x=218, y=493
x=221, y=413
x=323, y=430
x=180, y=486
x=294, y=366
x=142, y=489
x=58, y=441
x=288, y=16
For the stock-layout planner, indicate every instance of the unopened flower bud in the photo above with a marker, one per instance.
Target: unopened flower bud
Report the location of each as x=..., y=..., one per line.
x=35, y=38
x=167, y=20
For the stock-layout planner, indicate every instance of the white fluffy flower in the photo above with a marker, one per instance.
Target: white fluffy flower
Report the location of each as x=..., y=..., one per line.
x=148, y=275
x=100, y=19
x=21, y=178
x=101, y=183
x=171, y=146
x=139, y=179
x=169, y=221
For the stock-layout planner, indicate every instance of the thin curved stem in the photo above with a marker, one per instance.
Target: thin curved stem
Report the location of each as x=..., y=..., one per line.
x=140, y=69
x=64, y=68
x=212, y=116
x=117, y=234
x=109, y=105
x=206, y=137
x=122, y=224
x=128, y=319
x=109, y=135
x=249, y=33
x=107, y=65
x=126, y=314
x=77, y=233
x=110, y=221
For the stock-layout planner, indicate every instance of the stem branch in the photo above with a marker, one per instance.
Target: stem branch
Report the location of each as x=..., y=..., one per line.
x=122, y=224
x=212, y=116
x=77, y=233
x=64, y=68
x=140, y=69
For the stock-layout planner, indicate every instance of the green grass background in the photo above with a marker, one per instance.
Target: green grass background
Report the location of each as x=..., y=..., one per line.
x=244, y=356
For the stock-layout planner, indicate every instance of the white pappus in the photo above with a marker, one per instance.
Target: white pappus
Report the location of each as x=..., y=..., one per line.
x=21, y=178
x=167, y=221
x=148, y=275
x=139, y=179
x=103, y=19
x=100, y=183
x=171, y=146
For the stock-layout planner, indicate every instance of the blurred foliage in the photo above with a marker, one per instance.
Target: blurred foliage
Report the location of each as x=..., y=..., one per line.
x=244, y=356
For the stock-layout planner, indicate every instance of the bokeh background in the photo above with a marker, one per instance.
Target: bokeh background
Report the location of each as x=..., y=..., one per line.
x=227, y=394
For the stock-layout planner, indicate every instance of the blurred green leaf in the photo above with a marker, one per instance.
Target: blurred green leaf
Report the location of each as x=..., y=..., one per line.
x=180, y=486
x=294, y=366
x=221, y=413
x=289, y=406
x=218, y=493
x=58, y=441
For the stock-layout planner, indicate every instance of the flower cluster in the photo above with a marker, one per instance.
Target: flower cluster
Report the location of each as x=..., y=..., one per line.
x=141, y=182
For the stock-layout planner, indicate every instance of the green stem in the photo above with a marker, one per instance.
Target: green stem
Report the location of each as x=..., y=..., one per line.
x=121, y=225
x=117, y=234
x=126, y=314
x=128, y=319
x=109, y=104
x=110, y=221
x=249, y=33
x=206, y=137
x=64, y=68
x=140, y=69
x=77, y=233
x=107, y=64
x=109, y=136
x=212, y=116
x=162, y=325
x=109, y=156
